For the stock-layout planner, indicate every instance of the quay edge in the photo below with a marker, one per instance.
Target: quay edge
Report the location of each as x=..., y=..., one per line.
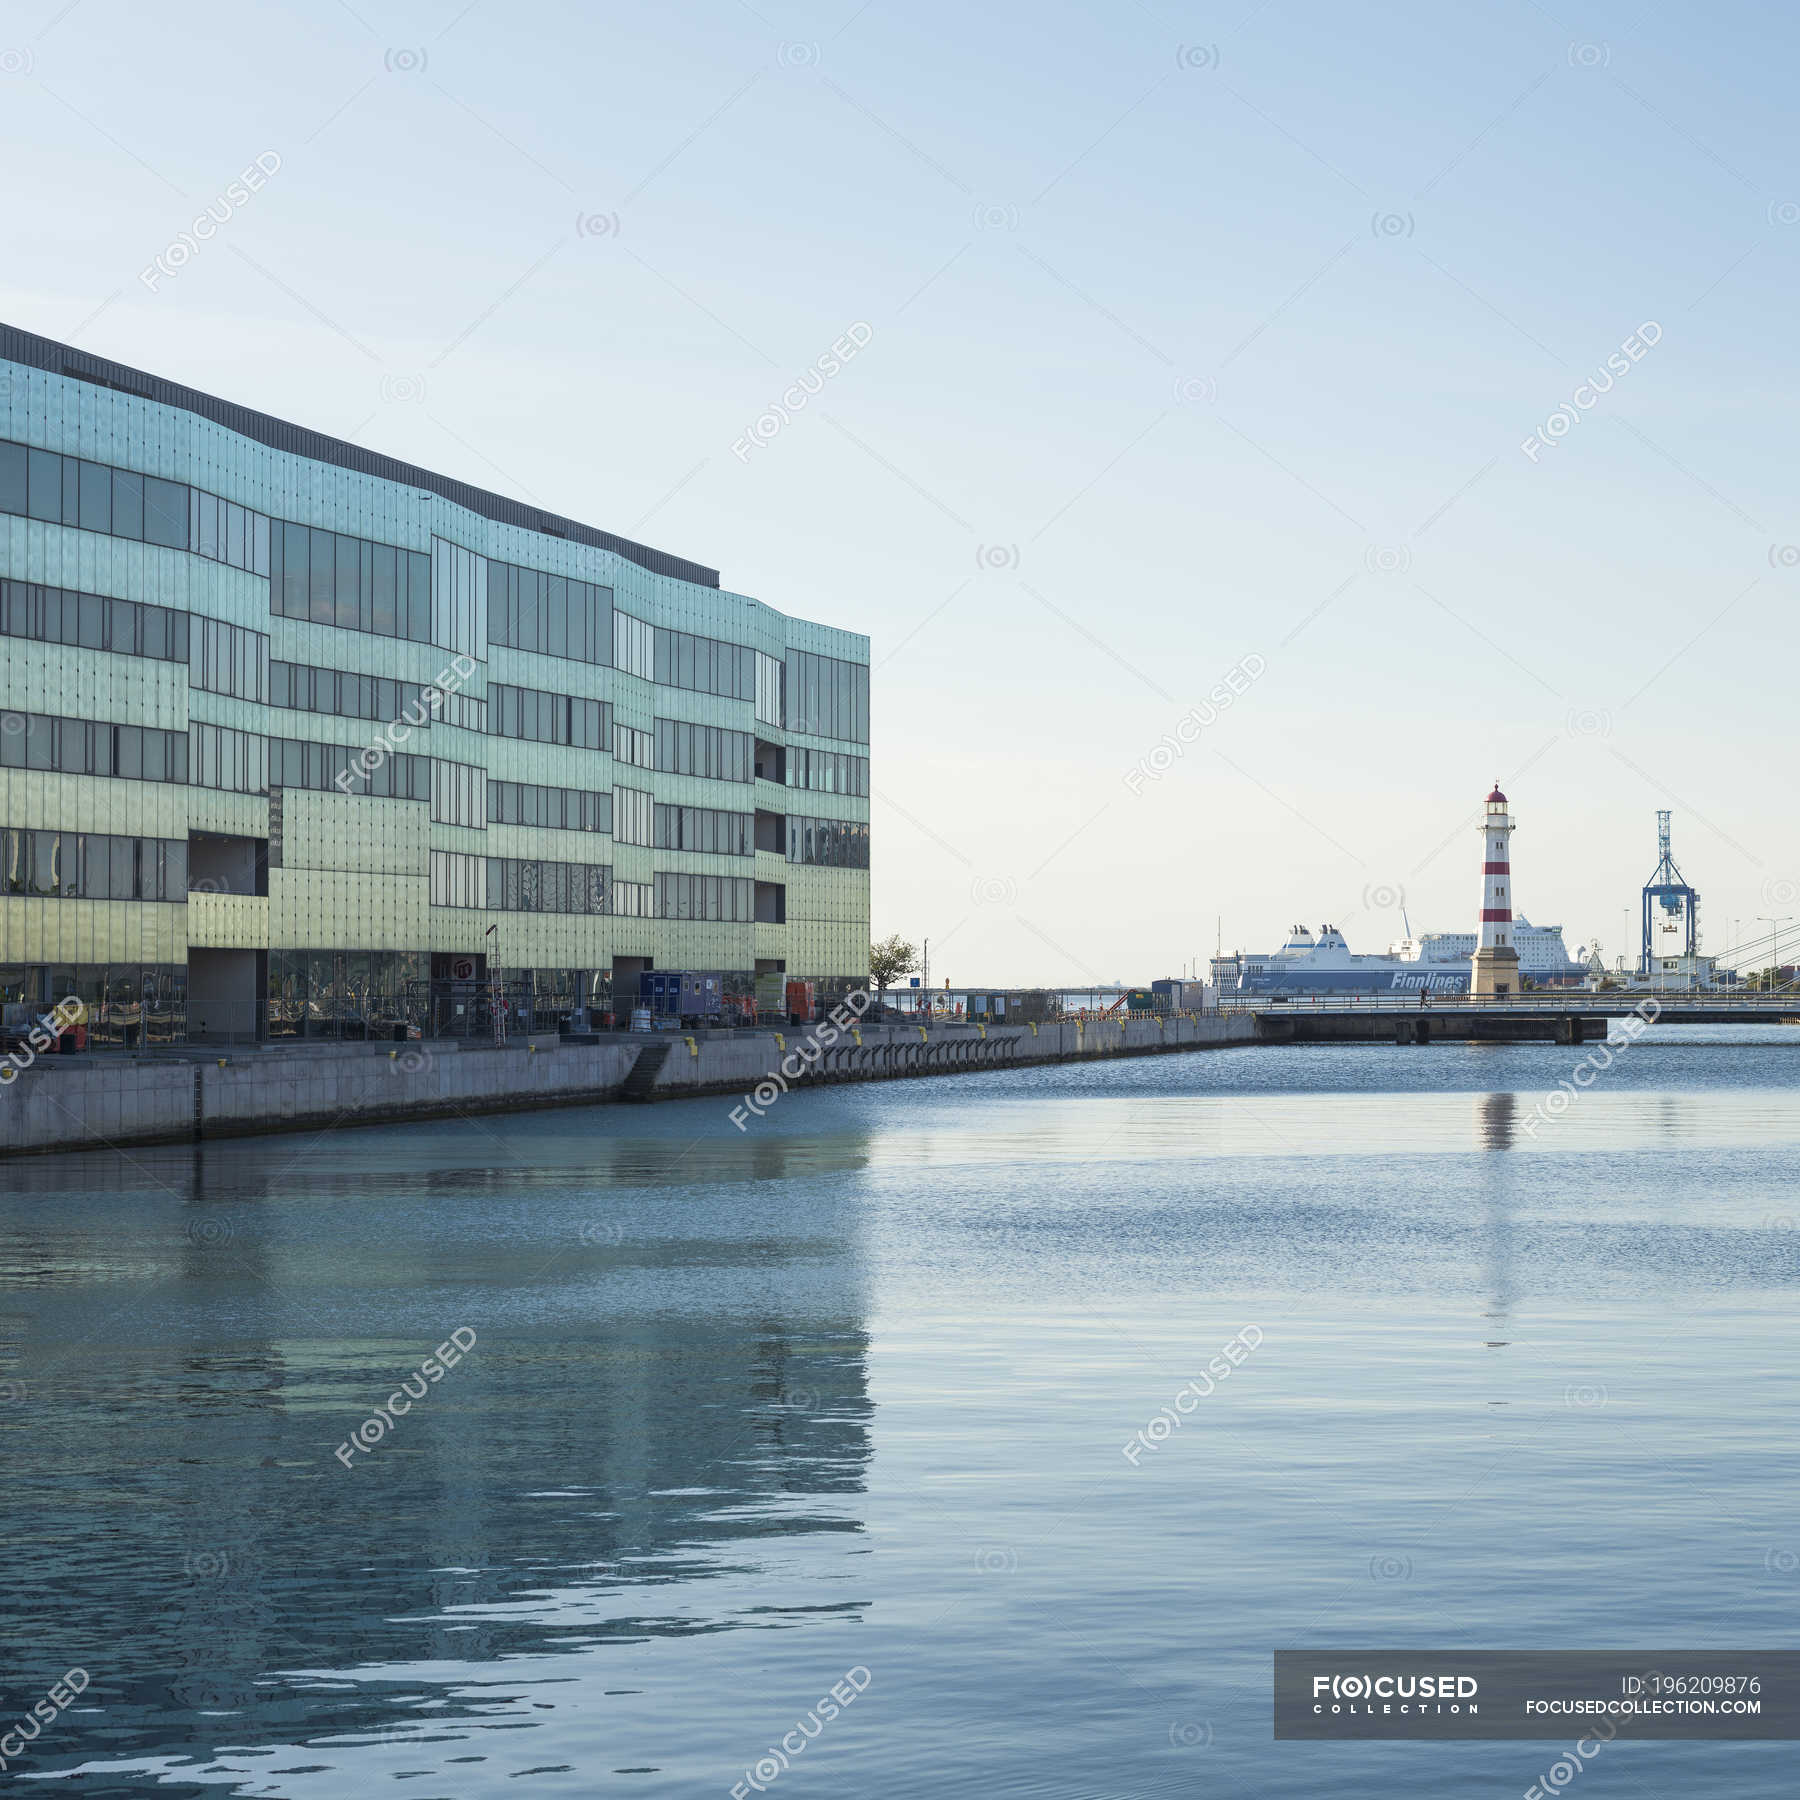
x=72, y=1104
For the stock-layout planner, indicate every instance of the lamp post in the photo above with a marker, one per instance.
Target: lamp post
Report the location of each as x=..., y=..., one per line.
x=1774, y=932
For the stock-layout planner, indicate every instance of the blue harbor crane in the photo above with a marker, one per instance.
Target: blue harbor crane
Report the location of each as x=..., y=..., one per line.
x=1666, y=892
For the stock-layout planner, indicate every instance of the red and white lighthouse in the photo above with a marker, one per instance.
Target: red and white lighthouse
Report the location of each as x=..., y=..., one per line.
x=1496, y=961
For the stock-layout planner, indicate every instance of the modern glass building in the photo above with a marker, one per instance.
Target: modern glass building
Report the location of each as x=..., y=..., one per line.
x=299, y=739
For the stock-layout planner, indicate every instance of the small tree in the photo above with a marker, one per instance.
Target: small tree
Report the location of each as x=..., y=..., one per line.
x=890, y=960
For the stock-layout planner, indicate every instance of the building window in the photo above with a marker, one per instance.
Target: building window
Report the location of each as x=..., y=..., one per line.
x=634, y=646
x=638, y=748
x=64, y=490
x=632, y=816
x=709, y=750
x=705, y=665
x=235, y=761
x=228, y=659
x=702, y=829
x=827, y=697
x=516, y=885
x=339, y=769
x=61, y=616
x=828, y=772
x=458, y=794
x=833, y=843
x=549, y=808
x=347, y=695
x=546, y=718
x=331, y=579
x=720, y=897
x=78, y=865
x=771, y=682
x=458, y=880
x=454, y=707
x=554, y=615
x=459, y=599
x=87, y=747
x=633, y=900
x=228, y=533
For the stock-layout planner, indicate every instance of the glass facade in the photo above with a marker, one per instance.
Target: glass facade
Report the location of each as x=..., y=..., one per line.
x=245, y=600
x=346, y=993
x=130, y=1005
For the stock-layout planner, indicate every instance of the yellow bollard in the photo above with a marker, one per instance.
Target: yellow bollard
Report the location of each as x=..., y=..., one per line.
x=856, y=1032
x=693, y=1048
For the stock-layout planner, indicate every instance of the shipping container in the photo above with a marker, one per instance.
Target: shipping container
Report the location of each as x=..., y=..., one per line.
x=682, y=994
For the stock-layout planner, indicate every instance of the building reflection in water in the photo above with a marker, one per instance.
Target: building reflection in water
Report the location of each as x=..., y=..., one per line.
x=1496, y=1125
x=670, y=1369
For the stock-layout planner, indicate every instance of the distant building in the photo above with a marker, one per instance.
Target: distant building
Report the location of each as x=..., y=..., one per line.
x=1542, y=953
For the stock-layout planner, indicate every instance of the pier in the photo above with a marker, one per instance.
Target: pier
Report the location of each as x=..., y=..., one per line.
x=1571, y=1017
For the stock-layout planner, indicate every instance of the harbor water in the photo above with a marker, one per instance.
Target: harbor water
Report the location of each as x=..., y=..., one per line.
x=594, y=1452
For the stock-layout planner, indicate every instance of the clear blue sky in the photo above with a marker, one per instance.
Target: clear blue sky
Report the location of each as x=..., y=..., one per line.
x=1198, y=334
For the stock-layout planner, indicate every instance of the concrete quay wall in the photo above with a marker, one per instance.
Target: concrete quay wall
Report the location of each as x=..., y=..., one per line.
x=91, y=1102
x=801, y=1057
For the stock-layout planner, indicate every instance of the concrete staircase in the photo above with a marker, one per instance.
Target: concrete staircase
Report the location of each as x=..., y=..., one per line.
x=640, y=1084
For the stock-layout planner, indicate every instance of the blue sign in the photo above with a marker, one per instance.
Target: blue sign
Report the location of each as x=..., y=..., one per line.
x=914, y=982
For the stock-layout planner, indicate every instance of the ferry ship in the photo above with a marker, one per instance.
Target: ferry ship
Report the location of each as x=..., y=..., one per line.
x=1434, y=963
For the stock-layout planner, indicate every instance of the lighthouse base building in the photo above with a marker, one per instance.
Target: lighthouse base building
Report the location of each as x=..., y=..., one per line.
x=1494, y=973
